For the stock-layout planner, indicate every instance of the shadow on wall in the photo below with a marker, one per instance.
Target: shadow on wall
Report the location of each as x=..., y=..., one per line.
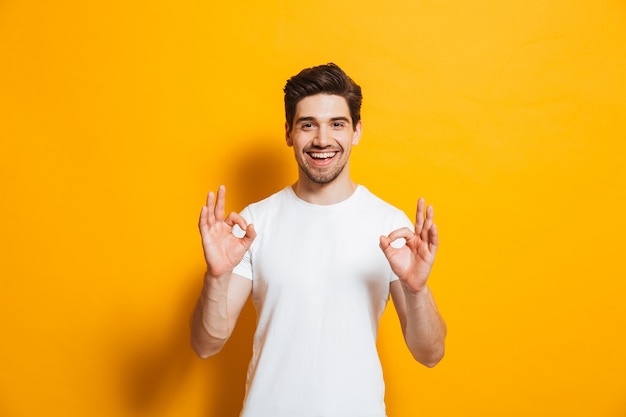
x=154, y=375
x=154, y=372
x=227, y=370
x=158, y=368
x=263, y=169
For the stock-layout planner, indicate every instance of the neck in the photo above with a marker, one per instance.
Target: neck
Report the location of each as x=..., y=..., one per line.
x=323, y=194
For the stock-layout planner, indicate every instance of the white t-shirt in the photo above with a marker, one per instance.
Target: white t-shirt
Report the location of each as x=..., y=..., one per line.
x=320, y=285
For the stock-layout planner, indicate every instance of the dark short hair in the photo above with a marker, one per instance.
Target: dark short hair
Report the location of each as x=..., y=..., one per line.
x=326, y=79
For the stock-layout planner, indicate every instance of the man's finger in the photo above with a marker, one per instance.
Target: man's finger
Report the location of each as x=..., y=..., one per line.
x=433, y=239
x=249, y=236
x=419, y=216
x=202, y=221
x=221, y=203
x=210, y=205
x=404, y=233
x=430, y=215
x=236, y=219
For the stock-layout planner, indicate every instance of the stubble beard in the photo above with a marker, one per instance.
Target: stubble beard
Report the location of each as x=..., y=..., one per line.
x=322, y=176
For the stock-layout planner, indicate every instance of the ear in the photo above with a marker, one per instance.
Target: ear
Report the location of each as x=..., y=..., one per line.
x=356, y=136
x=288, y=135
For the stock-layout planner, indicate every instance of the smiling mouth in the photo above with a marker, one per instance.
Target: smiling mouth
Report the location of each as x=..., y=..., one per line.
x=322, y=155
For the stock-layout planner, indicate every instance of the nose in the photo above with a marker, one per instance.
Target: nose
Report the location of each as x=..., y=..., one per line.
x=323, y=138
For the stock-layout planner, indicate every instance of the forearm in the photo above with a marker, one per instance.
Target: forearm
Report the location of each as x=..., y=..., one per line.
x=224, y=293
x=210, y=324
x=424, y=330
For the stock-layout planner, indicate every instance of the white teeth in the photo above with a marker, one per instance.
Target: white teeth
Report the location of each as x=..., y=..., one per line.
x=322, y=155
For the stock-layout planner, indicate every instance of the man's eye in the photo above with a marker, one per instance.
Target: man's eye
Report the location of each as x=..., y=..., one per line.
x=338, y=124
x=306, y=125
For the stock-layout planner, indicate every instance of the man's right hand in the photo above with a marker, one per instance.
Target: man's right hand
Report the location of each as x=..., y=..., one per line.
x=222, y=249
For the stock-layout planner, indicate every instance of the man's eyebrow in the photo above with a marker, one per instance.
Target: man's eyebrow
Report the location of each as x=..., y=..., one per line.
x=313, y=119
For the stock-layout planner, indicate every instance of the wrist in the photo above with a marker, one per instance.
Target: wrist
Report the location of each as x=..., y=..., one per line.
x=210, y=276
x=412, y=292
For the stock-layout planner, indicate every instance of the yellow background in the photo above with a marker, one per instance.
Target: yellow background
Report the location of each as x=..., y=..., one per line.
x=117, y=117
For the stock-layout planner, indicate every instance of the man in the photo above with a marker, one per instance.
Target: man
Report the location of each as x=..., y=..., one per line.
x=320, y=259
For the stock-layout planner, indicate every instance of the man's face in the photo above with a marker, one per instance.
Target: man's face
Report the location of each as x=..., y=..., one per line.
x=322, y=136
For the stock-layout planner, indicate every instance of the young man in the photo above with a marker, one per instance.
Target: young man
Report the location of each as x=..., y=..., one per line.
x=320, y=259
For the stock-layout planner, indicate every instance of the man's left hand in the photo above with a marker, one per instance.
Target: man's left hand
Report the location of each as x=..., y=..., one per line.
x=413, y=261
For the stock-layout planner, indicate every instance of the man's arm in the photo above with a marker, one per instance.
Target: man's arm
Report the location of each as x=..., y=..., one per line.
x=217, y=311
x=224, y=293
x=423, y=327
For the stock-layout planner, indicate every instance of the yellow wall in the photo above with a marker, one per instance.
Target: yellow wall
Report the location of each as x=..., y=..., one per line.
x=117, y=117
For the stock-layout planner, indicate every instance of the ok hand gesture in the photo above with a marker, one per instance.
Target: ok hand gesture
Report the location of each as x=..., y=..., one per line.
x=412, y=262
x=222, y=250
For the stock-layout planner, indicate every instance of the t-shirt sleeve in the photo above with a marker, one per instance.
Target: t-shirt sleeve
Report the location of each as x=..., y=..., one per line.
x=244, y=268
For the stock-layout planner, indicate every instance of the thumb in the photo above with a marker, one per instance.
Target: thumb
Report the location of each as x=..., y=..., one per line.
x=385, y=245
x=249, y=236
